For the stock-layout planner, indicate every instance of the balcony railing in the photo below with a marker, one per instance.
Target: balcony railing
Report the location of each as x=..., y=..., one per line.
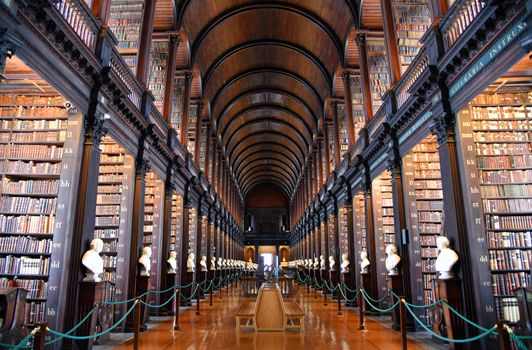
x=120, y=68
x=414, y=71
x=460, y=16
x=79, y=18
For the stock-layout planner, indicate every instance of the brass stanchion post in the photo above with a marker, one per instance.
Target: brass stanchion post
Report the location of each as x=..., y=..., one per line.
x=38, y=337
x=136, y=331
x=177, y=302
x=402, y=316
x=361, y=310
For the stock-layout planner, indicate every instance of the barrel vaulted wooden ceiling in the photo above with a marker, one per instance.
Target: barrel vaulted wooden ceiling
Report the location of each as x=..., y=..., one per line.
x=267, y=70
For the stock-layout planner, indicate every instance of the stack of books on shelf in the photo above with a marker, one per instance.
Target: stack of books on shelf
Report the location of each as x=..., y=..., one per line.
x=378, y=71
x=158, y=67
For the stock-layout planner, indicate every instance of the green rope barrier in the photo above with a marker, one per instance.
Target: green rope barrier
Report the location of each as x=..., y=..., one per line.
x=153, y=306
x=376, y=308
x=377, y=300
x=424, y=306
x=85, y=337
x=351, y=290
x=207, y=288
x=21, y=345
x=463, y=317
x=191, y=296
x=517, y=339
x=317, y=284
x=436, y=335
x=345, y=297
x=329, y=288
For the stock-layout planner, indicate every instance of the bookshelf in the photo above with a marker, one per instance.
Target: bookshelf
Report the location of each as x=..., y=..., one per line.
x=423, y=190
x=191, y=129
x=342, y=225
x=411, y=20
x=378, y=70
x=112, y=219
x=359, y=119
x=193, y=232
x=203, y=249
x=330, y=237
x=34, y=194
x=359, y=226
x=342, y=129
x=323, y=149
x=323, y=238
x=125, y=20
x=203, y=146
x=384, y=225
x=177, y=105
x=158, y=66
x=500, y=153
x=331, y=145
x=152, y=233
x=177, y=222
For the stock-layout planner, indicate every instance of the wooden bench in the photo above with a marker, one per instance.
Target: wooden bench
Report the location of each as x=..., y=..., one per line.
x=294, y=315
x=245, y=315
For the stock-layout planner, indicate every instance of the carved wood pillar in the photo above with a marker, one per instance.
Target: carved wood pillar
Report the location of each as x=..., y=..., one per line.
x=371, y=245
x=143, y=59
x=392, y=51
x=101, y=10
x=197, y=147
x=348, y=98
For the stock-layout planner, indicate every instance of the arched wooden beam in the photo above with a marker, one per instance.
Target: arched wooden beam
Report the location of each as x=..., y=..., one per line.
x=262, y=152
x=249, y=165
x=246, y=94
x=325, y=27
x=279, y=166
x=264, y=180
x=258, y=147
x=266, y=175
x=271, y=70
x=265, y=106
x=263, y=132
x=278, y=171
x=284, y=126
x=269, y=42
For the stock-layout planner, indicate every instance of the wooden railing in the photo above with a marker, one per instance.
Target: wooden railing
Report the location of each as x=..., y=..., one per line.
x=376, y=121
x=120, y=68
x=78, y=16
x=414, y=71
x=160, y=124
x=460, y=16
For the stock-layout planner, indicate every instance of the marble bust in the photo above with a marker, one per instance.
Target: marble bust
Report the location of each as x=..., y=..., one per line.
x=316, y=264
x=213, y=263
x=345, y=263
x=364, y=262
x=332, y=263
x=322, y=263
x=249, y=265
x=219, y=264
x=190, y=263
x=93, y=262
x=145, y=263
x=172, y=263
x=447, y=258
x=203, y=263
x=392, y=260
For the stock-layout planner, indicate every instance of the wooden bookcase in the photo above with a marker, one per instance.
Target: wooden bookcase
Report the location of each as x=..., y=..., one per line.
x=496, y=146
x=424, y=198
x=378, y=70
x=359, y=119
x=203, y=146
x=177, y=223
x=331, y=145
x=38, y=158
x=192, y=232
x=177, y=105
x=158, y=67
x=203, y=249
x=191, y=129
x=384, y=226
x=342, y=129
x=342, y=225
x=411, y=20
x=113, y=217
x=125, y=20
x=330, y=237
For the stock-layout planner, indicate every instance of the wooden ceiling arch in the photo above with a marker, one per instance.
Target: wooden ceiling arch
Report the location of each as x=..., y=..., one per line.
x=268, y=181
x=266, y=69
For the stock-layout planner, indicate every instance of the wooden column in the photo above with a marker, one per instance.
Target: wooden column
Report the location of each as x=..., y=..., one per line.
x=350, y=278
x=101, y=10
x=371, y=246
x=336, y=132
x=199, y=233
x=438, y=8
x=219, y=181
x=170, y=77
x=392, y=51
x=320, y=161
x=316, y=177
x=137, y=227
x=348, y=98
x=143, y=59
x=214, y=176
x=197, y=147
x=326, y=147
x=364, y=76
x=319, y=233
x=186, y=107
x=185, y=238
x=169, y=189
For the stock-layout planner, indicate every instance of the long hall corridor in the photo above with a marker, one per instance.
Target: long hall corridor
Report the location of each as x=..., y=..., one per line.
x=215, y=328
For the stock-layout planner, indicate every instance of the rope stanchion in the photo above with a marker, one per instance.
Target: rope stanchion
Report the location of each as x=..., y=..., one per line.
x=517, y=339
x=459, y=341
x=361, y=311
x=21, y=344
x=402, y=322
x=136, y=334
x=39, y=336
x=157, y=306
x=376, y=308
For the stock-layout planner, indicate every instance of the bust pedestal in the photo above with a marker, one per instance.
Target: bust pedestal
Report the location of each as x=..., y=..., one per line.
x=168, y=309
x=143, y=285
x=90, y=293
x=202, y=275
x=349, y=281
x=333, y=281
x=366, y=284
x=187, y=292
x=450, y=290
x=395, y=283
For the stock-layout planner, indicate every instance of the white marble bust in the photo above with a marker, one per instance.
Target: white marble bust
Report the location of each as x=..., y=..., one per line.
x=213, y=263
x=305, y=263
x=203, y=263
x=345, y=263
x=224, y=264
x=332, y=263
x=322, y=263
x=364, y=262
x=219, y=265
x=93, y=262
x=191, y=267
x=172, y=263
x=447, y=258
x=316, y=264
x=392, y=260
x=145, y=263
x=249, y=265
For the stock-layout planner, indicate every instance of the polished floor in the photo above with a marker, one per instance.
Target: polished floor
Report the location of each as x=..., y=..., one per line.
x=215, y=327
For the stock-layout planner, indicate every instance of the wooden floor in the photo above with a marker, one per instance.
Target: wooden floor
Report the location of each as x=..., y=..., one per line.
x=325, y=329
